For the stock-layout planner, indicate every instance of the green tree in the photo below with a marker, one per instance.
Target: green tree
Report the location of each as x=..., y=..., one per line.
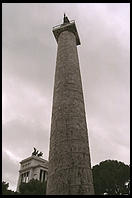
x=33, y=187
x=5, y=190
x=110, y=177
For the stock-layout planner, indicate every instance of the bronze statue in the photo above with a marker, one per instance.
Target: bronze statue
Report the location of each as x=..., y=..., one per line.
x=40, y=154
x=35, y=152
x=65, y=19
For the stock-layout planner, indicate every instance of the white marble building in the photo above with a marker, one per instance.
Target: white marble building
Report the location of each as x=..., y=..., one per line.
x=32, y=167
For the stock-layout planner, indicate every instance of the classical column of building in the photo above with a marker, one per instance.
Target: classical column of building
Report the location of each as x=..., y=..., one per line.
x=69, y=168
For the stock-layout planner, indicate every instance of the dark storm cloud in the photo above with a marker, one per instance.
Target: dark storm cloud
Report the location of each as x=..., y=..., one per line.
x=29, y=57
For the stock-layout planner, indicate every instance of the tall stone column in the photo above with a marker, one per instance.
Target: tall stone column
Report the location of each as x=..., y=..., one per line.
x=19, y=182
x=69, y=170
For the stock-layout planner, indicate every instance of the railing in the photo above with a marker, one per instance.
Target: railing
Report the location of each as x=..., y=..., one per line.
x=57, y=26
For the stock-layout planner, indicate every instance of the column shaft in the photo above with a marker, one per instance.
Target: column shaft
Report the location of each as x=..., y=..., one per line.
x=69, y=170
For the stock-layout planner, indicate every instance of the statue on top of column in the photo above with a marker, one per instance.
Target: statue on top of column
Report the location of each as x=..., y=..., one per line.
x=65, y=19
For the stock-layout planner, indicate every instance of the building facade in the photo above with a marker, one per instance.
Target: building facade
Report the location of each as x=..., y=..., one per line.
x=69, y=169
x=32, y=167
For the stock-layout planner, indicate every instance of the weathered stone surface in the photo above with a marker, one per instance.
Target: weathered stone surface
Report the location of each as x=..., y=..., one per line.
x=69, y=170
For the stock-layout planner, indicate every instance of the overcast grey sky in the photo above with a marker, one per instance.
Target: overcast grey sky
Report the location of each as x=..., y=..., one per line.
x=28, y=67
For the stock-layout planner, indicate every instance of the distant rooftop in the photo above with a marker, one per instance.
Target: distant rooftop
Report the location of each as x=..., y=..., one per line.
x=33, y=157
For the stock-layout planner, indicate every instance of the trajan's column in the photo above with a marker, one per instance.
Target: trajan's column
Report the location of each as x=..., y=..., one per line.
x=69, y=169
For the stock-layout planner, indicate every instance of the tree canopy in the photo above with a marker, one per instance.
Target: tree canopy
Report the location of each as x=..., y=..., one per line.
x=5, y=190
x=33, y=187
x=110, y=177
